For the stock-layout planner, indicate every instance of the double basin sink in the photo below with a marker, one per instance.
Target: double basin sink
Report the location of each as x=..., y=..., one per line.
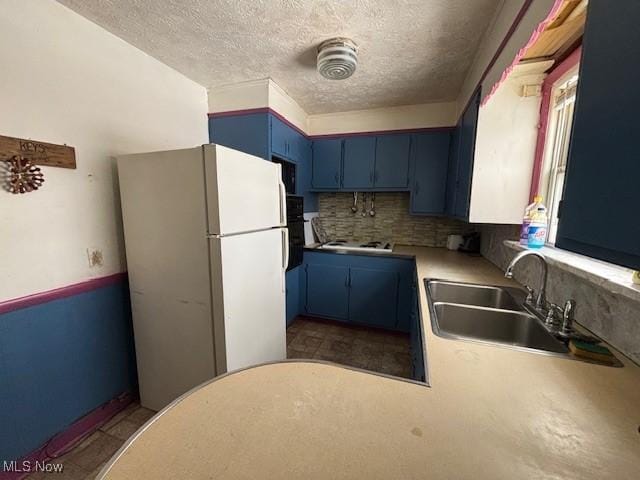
x=488, y=314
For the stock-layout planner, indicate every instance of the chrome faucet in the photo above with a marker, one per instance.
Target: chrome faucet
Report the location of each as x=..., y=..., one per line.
x=541, y=300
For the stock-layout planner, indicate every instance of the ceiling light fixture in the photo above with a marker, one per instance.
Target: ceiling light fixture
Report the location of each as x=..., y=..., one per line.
x=337, y=58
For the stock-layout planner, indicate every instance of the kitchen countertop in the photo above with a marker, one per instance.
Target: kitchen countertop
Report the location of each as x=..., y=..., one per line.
x=490, y=413
x=395, y=253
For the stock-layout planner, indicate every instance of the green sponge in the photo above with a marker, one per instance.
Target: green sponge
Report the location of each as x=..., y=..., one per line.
x=591, y=351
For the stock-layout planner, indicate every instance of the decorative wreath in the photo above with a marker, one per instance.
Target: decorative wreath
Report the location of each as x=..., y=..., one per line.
x=23, y=175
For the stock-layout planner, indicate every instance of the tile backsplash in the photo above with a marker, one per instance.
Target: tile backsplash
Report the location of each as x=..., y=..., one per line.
x=392, y=221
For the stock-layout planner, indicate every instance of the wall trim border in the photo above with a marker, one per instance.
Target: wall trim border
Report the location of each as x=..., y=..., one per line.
x=73, y=435
x=62, y=292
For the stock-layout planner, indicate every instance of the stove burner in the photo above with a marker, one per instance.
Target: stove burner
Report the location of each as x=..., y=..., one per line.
x=371, y=245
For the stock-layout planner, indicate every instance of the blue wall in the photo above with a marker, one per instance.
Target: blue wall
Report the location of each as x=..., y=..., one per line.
x=59, y=361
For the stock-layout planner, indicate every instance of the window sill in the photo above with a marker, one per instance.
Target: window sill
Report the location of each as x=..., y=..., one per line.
x=611, y=277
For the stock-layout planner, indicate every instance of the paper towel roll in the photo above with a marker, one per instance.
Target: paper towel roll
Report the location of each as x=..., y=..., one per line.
x=454, y=242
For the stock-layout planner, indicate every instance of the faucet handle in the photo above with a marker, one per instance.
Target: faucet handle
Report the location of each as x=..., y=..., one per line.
x=553, y=314
x=531, y=294
x=567, y=316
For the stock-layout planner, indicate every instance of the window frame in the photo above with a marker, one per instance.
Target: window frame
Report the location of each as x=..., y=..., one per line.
x=558, y=134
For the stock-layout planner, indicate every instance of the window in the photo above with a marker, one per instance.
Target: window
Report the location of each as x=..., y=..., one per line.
x=557, y=146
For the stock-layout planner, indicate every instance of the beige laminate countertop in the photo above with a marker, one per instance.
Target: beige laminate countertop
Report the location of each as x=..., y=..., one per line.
x=490, y=413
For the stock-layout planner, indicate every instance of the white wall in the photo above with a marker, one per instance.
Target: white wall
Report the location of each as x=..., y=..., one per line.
x=427, y=115
x=66, y=80
x=239, y=96
x=505, y=149
x=537, y=12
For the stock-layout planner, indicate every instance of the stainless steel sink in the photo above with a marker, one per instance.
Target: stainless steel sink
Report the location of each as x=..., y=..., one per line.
x=470, y=294
x=488, y=314
x=517, y=329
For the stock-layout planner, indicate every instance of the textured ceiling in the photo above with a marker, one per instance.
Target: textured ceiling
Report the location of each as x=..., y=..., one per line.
x=410, y=51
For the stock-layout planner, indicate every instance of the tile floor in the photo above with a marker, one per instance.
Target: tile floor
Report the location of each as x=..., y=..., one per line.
x=87, y=458
x=361, y=347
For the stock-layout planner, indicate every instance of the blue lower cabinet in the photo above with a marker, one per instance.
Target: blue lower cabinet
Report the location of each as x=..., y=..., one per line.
x=418, y=370
x=327, y=288
x=361, y=289
x=418, y=367
x=373, y=297
x=292, y=280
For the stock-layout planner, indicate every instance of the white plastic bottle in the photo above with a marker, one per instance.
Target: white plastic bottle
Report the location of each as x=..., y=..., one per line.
x=537, y=234
x=526, y=220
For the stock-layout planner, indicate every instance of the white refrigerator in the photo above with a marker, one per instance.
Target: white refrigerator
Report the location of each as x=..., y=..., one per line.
x=207, y=250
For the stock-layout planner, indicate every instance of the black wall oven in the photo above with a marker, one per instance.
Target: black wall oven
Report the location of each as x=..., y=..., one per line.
x=295, y=224
x=288, y=174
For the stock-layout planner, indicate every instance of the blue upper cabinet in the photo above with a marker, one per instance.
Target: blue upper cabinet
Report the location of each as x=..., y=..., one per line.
x=392, y=162
x=358, y=163
x=286, y=141
x=265, y=135
x=369, y=163
x=303, y=174
x=373, y=297
x=247, y=133
x=327, y=164
x=466, y=152
x=429, y=164
x=452, y=173
x=281, y=137
x=461, y=153
x=599, y=211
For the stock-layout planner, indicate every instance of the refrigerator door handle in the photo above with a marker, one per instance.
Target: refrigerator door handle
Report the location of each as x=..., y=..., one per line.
x=285, y=248
x=285, y=256
x=283, y=204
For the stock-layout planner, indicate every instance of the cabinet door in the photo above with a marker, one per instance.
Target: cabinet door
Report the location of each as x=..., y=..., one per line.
x=466, y=152
x=327, y=291
x=327, y=159
x=392, y=161
x=373, y=297
x=292, y=280
x=452, y=173
x=279, y=138
x=358, y=162
x=247, y=133
x=599, y=212
x=297, y=145
x=430, y=155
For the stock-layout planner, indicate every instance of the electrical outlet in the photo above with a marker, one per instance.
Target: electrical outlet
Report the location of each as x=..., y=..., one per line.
x=95, y=257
